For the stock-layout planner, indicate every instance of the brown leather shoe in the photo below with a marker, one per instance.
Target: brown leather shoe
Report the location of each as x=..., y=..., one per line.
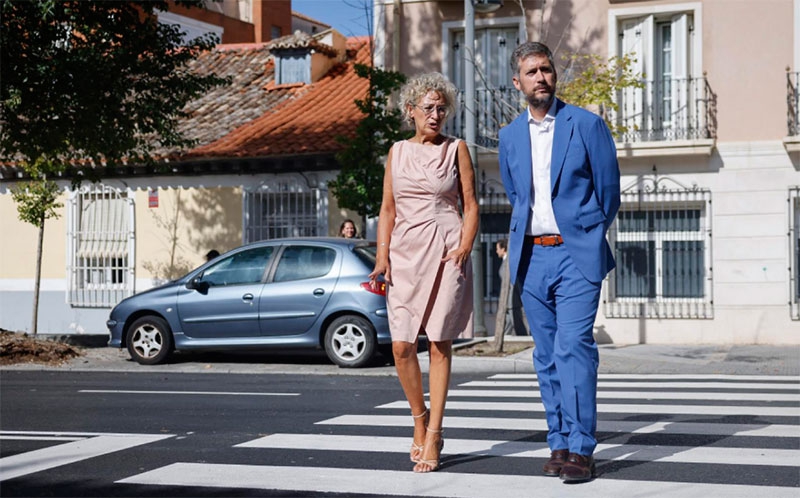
x=553, y=466
x=578, y=468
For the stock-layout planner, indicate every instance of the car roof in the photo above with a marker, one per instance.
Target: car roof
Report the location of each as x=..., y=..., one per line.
x=328, y=240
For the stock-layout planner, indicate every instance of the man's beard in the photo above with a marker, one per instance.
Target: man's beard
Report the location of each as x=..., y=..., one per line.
x=541, y=103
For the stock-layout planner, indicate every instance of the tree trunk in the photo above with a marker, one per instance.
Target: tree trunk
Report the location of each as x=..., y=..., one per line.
x=363, y=233
x=37, y=278
x=499, y=335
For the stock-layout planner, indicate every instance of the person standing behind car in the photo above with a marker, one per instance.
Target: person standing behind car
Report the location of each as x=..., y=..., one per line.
x=348, y=229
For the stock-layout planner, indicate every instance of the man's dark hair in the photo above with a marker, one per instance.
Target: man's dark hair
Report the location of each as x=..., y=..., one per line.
x=527, y=49
x=213, y=253
x=503, y=243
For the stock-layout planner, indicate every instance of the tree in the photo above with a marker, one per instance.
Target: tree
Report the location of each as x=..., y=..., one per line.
x=594, y=83
x=359, y=184
x=37, y=201
x=87, y=84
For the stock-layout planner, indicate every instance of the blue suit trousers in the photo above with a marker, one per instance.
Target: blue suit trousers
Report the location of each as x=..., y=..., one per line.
x=561, y=306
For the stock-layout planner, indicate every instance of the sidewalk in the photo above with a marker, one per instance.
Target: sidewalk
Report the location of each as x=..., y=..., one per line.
x=633, y=359
x=662, y=359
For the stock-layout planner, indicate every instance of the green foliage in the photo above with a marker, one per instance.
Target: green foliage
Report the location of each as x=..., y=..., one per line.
x=359, y=184
x=596, y=82
x=36, y=201
x=90, y=82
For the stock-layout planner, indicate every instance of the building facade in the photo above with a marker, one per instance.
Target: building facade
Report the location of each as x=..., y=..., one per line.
x=706, y=240
x=264, y=153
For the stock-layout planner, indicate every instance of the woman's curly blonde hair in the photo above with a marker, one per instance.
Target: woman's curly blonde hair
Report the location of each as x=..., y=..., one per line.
x=419, y=86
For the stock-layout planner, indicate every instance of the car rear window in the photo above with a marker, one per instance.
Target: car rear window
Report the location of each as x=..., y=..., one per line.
x=366, y=253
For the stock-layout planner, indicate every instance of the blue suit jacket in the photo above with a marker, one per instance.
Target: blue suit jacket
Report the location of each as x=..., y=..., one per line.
x=584, y=182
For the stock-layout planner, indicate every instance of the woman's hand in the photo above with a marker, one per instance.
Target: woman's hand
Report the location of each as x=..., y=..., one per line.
x=381, y=268
x=458, y=256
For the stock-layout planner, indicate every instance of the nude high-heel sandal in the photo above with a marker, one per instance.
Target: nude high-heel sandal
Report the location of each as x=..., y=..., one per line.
x=432, y=464
x=417, y=448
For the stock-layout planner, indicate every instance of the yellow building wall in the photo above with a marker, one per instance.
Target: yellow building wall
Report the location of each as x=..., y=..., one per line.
x=19, y=241
x=175, y=236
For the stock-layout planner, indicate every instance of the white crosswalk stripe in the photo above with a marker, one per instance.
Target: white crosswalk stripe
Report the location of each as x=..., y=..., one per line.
x=440, y=484
x=648, y=427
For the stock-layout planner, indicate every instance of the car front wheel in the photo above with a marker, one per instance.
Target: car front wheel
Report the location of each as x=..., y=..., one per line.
x=350, y=341
x=149, y=340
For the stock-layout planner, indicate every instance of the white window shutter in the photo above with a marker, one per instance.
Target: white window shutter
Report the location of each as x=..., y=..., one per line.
x=635, y=39
x=680, y=71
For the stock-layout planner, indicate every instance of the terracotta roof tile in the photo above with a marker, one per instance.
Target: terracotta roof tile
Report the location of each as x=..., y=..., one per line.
x=299, y=39
x=225, y=108
x=307, y=120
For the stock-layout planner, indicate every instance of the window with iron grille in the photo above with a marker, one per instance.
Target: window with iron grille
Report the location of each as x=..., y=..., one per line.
x=661, y=240
x=288, y=209
x=101, y=245
x=495, y=212
x=794, y=251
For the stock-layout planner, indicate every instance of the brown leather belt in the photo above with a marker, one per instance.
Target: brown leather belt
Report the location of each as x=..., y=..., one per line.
x=544, y=240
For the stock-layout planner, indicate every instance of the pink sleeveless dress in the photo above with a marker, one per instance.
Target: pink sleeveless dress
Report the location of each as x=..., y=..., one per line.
x=427, y=295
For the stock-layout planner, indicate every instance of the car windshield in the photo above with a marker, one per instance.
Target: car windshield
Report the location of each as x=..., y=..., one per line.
x=366, y=253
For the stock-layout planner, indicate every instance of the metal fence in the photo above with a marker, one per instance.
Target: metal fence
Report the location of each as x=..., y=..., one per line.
x=495, y=219
x=288, y=209
x=794, y=251
x=494, y=108
x=668, y=109
x=661, y=240
x=663, y=110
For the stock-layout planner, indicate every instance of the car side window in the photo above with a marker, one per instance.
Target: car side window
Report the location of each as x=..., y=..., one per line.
x=301, y=262
x=246, y=267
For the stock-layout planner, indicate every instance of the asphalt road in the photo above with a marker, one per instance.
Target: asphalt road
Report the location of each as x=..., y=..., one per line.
x=202, y=434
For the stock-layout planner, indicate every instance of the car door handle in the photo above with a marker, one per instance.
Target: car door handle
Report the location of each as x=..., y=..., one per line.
x=319, y=292
x=247, y=297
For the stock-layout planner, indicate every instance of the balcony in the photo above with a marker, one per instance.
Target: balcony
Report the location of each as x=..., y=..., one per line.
x=792, y=141
x=666, y=117
x=496, y=107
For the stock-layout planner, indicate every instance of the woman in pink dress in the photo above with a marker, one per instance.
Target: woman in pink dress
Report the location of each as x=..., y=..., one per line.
x=428, y=222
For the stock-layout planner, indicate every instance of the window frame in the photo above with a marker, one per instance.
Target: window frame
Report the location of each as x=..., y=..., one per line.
x=793, y=203
x=650, y=195
x=115, y=274
x=646, y=113
x=290, y=223
x=450, y=28
x=616, y=16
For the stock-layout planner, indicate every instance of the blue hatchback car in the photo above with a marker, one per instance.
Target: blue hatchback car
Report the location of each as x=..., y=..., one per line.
x=300, y=293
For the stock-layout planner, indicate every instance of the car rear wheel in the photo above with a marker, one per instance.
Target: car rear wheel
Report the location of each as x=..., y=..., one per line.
x=350, y=341
x=149, y=340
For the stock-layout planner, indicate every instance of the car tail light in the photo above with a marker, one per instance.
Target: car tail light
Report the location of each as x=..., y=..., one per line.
x=380, y=290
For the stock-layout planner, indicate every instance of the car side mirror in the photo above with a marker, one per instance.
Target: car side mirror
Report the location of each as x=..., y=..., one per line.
x=198, y=284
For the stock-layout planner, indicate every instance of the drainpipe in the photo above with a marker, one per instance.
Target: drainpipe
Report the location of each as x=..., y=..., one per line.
x=396, y=35
x=470, y=138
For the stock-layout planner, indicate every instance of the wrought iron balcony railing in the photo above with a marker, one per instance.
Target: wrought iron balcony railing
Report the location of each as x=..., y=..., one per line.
x=661, y=111
x=793, y=102
x=495, y=108
x=665, y=110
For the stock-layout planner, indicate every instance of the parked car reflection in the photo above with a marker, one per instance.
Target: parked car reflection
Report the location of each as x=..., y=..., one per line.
x=306, y=293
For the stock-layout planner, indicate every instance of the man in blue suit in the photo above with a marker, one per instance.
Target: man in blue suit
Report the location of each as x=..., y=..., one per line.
x=559, y=167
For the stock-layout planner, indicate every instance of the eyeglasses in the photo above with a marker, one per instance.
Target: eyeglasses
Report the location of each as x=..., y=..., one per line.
x=430, y=109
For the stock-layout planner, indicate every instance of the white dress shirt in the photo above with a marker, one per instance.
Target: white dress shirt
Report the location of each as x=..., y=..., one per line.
x=542, y=220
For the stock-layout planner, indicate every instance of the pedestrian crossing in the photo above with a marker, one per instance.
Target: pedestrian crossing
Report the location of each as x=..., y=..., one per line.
x=658, y=436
